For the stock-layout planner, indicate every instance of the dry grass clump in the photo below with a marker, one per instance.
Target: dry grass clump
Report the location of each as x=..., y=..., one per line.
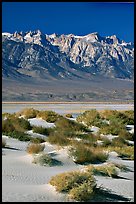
x=125, y=152
x=7, y=115
x=103, y=170
x=49, y=116
x=34, y=148
x=14, y=123
x=118, y=142
x=42, y=130
x=80, y=186
x=113, y=128
x=83, y=154
x=126, y=135
x=83, y=192
x=91, y=117
x=3, y=142
x=37, y=140
x=65, y=124
x=58, y=138
x=68, y=115
x=45, y=160
x=122, y=167
x=28, y=113
x=125, y=117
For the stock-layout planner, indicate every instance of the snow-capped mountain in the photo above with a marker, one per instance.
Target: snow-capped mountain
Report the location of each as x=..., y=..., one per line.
x=34, y=54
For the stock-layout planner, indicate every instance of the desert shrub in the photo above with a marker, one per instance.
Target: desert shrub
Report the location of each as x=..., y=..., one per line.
x=125, y=152
x=82, y=154
x=104, y=170
x=64, y=182
x=83, y=192
x=118, y=141
x=126, y=135
x=106, y=114
x=68, y=125
x=113, y=128
x=124, y=117
x=45, y=160
x=19, y=135
x=68, y=115
x=14, y=127
x=21, y=124
x=106, y=142
x=3, y=142
x=122, y=167
x=28, y=113
x=33, y=148
x=130, y=116
x=89, y=138
x=91, y=117
x=7, y=115
x=7, y=126
x=37, y=140
x=64, y=131
x=58, y=138
x=14, y=123
x=42, y=130
x=49, y=116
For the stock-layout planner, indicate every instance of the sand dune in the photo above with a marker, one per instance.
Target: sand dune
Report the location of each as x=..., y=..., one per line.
x=23, y=181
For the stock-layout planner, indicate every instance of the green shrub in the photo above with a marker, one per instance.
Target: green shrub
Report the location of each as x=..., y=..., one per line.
x=118, y=141
x=21, y=124
x=34, y=148
x=18, y=135
x=124, y=117
x=45, y=160
x=106, y=114
x=68, y=125
x=83, y=154
x=130, y=115
x=37, y=140
x=91, y=117
x=58, y=138
x=113, y=128
x=14, y=123
x=89, y=138
x=42, y=130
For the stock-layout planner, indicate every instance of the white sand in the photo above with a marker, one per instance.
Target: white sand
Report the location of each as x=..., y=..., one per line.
x=23, y=181
x=40, y=122
x=27, y=182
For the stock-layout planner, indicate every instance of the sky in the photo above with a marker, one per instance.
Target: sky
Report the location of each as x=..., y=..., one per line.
x=79, y=18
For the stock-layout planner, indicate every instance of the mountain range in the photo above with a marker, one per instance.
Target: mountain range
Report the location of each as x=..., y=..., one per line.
x=36, y=64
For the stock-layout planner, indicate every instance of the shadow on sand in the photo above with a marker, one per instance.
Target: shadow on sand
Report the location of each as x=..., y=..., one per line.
x=12, y=148
x=106, y=195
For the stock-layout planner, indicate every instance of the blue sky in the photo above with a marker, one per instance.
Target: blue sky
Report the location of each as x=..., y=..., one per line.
x=79, y=18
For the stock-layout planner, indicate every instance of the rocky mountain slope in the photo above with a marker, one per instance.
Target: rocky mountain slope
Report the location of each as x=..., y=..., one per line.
x=66, y=56
x=34, y=57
